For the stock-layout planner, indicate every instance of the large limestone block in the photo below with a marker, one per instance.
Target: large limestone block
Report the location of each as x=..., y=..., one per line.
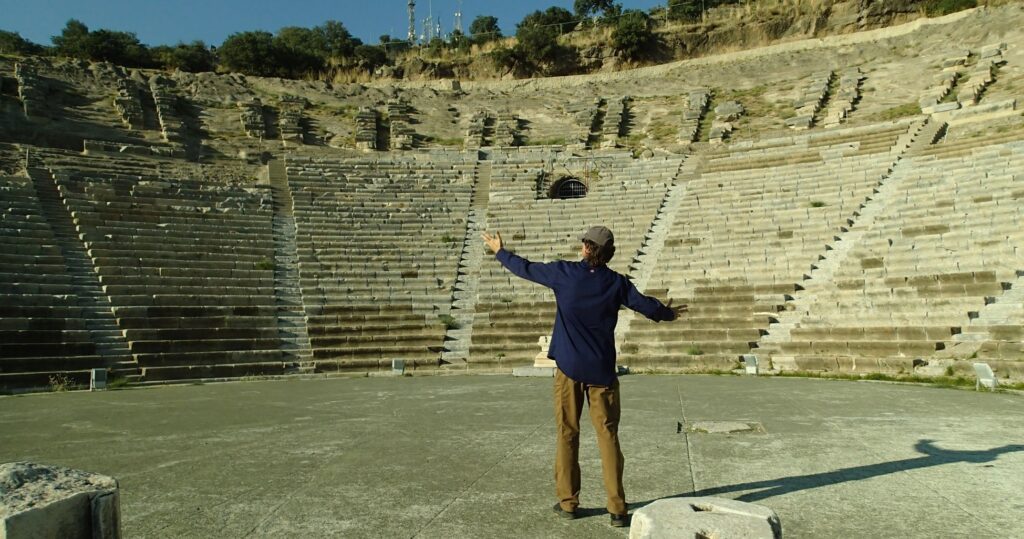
x=54, y=501
x=705, y=517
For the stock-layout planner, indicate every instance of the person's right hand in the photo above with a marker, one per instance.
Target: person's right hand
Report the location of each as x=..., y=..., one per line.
x=494, y=242
x=677, y=310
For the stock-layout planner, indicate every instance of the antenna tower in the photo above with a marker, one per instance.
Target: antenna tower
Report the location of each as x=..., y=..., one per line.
x=412, y=21
x=458, y=17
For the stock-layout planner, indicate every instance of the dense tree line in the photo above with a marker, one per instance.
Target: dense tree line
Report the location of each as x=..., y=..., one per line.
x=296, y=52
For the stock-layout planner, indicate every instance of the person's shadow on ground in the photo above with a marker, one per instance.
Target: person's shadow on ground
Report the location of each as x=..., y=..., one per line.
x=931, y=456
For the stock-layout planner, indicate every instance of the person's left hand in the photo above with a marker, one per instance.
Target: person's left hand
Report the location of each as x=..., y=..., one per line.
x=678, y=309
x=494, y=242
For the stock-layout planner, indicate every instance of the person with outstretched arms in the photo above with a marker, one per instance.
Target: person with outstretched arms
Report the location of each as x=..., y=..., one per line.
x=588, y=296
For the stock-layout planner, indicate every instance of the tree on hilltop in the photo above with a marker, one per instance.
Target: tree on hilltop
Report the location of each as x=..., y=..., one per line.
x=537, y=47
x=632, y=35
x=249, y=53
x=339, y=42
x=194, y=57
x=299, y=51
x=559, y=20
x=13, y=43
x=122, y=48
x=587, y=8
x=73, y=40
x=484, y=28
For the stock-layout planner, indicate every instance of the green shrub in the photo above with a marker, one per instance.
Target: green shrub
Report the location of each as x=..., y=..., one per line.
x=899, y=111
x=935, y=8
x=448, y=321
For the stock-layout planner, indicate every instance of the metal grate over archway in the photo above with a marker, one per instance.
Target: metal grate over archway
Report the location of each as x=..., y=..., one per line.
x=570, y=188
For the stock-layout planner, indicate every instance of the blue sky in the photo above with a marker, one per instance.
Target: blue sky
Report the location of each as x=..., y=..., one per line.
x=159, y=22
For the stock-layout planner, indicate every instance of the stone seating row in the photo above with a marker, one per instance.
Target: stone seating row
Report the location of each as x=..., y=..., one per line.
x=738, y=323
x=813, y=139
x=967, y=148
x=902, y=274
x=153, y=230
x=805, y=157
x=739, y=228
x=365, y=259
x=129, y=167
x=43, y=329
x=511, y=313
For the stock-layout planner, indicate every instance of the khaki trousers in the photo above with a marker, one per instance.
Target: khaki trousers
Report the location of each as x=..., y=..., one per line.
x=604, y=414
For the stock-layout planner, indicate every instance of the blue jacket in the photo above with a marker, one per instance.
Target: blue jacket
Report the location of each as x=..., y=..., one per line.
x=588, y=301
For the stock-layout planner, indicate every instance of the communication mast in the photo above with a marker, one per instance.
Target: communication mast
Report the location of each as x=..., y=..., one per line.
x=412, y=21
x=458, y=17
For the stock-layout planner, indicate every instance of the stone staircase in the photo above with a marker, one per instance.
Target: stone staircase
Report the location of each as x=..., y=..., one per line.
x=835, y=256
x=597, y=125
x=464, y=293
x=489, y=131
x=931, y=132
x=291, y=314
x=95, y=304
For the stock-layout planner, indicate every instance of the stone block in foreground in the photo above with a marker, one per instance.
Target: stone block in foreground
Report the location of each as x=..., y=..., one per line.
x=54, y=501
x=719, y=518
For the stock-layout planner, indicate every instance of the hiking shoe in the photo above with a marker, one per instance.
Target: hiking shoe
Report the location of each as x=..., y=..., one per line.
x=563, y=513
x=620, y=521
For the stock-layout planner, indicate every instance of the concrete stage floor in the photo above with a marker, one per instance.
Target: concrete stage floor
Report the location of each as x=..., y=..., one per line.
x=471, y=456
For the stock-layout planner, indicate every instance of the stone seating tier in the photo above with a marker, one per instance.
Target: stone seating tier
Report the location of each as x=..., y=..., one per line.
x=42, y=326
x=967, y=147
x=385, y=273
x=824, y=139
x=738, y=227
x=225, y=366
x=144, y=235
x=901, y=277
x=511, y=314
